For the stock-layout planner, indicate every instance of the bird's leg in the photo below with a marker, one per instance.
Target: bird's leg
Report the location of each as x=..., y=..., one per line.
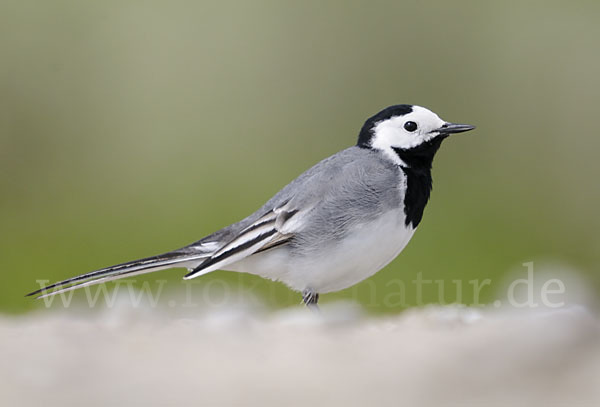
x=310, y=298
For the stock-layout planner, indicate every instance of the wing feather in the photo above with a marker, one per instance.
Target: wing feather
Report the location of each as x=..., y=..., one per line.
x=269, y=231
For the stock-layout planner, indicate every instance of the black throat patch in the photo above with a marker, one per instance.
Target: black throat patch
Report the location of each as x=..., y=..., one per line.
x=418, y=178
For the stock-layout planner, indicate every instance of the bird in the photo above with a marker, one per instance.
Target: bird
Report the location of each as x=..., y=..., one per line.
x=336, y=224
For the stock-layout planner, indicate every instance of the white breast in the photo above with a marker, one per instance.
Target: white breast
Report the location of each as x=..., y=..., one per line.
x=365, y=250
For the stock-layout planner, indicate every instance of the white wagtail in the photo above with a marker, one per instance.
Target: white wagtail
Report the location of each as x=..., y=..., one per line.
x=335, y=225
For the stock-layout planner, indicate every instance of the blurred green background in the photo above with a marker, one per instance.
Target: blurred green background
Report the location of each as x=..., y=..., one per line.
x=129, y=128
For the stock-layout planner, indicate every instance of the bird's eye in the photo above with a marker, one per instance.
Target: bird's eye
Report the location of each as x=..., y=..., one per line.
x=410, y=126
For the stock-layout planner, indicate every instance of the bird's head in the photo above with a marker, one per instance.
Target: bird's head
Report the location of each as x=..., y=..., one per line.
x=408, y=135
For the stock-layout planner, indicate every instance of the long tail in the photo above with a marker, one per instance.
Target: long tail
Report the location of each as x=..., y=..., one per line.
x=177, y=258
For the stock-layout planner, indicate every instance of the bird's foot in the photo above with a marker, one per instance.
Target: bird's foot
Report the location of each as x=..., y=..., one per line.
x=311, y=298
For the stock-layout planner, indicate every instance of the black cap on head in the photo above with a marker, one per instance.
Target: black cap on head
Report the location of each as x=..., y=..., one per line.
x=365, y=135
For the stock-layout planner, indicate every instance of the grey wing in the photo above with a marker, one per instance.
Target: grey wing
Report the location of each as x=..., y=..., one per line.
x=350, y=187
x=259, y=231
x=368, y=187
x=320, y=204
x=274, y=228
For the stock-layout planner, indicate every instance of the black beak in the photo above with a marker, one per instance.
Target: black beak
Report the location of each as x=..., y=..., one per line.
x=451, y=128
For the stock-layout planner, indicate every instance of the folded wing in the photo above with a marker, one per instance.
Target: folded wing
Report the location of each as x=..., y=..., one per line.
x=274, y=228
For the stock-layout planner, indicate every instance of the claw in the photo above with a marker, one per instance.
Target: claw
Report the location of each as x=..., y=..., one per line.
x=311, y=298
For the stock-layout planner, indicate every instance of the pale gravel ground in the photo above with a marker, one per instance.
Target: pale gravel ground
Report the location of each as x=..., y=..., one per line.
x=423, y=357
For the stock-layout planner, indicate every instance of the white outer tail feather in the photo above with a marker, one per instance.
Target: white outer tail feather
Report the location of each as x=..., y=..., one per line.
x=112, y=273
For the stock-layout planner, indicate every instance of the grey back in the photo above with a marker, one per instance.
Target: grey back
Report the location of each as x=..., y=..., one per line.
x=352, y=186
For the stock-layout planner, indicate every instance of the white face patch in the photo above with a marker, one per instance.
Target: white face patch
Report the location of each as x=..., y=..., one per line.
x=392, y=133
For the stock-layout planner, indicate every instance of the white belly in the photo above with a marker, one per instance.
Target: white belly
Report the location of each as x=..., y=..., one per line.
x=364, y=251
